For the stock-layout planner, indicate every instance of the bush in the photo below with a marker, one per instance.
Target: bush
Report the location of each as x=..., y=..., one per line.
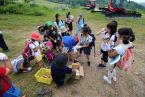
x=27, y=9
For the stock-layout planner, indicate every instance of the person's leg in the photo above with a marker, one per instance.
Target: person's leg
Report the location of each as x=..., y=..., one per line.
x=87, y=52
x=69, y=77
x=2, y=43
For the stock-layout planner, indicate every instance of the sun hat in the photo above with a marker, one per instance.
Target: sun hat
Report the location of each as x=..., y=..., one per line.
x=63, y=29
x=49, y=23
x=35, y=36
x=61, y=60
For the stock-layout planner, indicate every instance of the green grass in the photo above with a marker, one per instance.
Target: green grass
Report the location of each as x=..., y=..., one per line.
x=17, y=28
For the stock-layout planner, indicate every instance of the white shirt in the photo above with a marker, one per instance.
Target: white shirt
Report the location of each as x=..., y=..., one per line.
x=104, y=41
x=84, y=40
x=34, y=45
x=106, y=38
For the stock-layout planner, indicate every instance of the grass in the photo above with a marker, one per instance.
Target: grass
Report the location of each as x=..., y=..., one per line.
x=17, y=28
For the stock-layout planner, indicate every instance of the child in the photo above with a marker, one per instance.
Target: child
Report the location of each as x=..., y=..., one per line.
x=8, y=89
x=80, y=24
x=58, y=23
x=126, y=36
x=85, y=40
x=69, y=21
x=47, y=51
x=60, y=72
x=107, y=37
x=53, y=36
x=34, y=47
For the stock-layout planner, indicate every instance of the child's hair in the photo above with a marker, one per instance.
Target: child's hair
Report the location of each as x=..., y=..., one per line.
x=56, y=16
x=112, y=28
x=115, y=23
x=85, y=30
x=127, y=35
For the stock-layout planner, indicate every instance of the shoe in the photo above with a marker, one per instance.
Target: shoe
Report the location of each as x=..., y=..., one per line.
x=114, y=79
x=6, y=50
x=89, y=63
x=101, y=66
x=29, y=68
x=107, y=80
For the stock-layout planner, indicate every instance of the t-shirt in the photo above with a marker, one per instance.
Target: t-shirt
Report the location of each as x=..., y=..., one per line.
x=85, y=40
x=5, y=85
x=105, y=36
x=34, y=45
x=105, y=39
x=69, y=41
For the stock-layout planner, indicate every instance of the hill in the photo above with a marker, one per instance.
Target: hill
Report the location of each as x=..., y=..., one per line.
x=103, y=3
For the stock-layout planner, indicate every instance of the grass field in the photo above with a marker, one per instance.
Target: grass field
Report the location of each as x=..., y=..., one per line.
x=17, y=28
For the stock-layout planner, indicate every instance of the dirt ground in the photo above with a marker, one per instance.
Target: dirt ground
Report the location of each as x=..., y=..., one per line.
x=130, y=84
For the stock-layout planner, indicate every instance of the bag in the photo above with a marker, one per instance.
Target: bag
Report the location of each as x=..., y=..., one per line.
x=50, y=55
x=26, y=52
x=12, y=92
x=93, y=40
x=127, y=60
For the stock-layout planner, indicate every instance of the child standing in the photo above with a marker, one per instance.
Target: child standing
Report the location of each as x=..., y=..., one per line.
x=85, y=40
x=80, y=24
x=69, y=22
x=107, y=37
x=125, y=37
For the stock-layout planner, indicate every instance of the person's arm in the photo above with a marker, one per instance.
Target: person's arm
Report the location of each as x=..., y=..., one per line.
x=67, y=69
x=101, y=31
x=9, y=68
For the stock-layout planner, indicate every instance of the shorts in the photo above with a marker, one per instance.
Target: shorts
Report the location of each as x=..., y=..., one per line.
x=104, y=55
x=86, y=50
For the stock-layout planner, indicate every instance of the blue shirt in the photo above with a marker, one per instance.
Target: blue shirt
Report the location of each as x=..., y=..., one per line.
x=69, y=41
x=58, y=74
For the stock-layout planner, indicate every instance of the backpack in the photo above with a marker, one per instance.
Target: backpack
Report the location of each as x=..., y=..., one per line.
x=80, y=19
x=50, y=55
x=127, y=60
x=26, y=51
x=93, y=40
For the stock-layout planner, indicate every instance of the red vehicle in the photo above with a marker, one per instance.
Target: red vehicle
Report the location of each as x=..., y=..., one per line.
x=91, y=5
x=116, y=9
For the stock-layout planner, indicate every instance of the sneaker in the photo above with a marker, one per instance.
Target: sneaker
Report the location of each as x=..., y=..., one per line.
x=89, y=63
x=101, y=66
x=29, y=68
x=107, y=80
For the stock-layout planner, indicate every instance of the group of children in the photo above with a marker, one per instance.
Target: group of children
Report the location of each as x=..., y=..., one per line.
x=58, y=37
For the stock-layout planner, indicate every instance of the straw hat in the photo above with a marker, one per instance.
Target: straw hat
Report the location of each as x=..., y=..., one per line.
x=63, y=29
